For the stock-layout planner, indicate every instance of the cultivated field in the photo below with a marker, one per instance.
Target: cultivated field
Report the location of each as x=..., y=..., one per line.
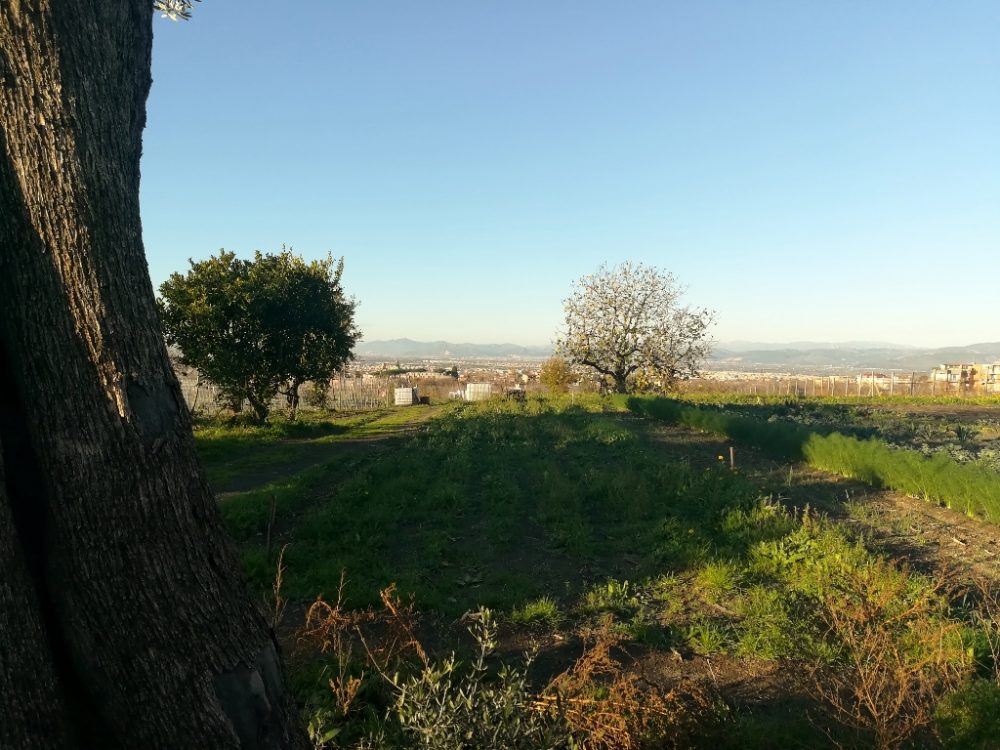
x=666, y=598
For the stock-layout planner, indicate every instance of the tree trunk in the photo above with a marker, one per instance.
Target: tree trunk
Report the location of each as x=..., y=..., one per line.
x=292, y=397
x=34, y=715
x=121, y=596
x=261, y=408
x=621, y=383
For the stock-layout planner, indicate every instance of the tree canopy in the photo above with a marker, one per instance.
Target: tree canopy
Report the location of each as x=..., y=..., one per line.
x=257, y=327
x=556, y=374
x=628, y=324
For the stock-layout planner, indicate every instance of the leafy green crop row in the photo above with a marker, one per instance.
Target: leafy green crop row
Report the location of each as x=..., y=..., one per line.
x=972, y=489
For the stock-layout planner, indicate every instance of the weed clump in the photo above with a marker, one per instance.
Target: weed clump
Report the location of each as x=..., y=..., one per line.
x=444, y=706
x=542, y=611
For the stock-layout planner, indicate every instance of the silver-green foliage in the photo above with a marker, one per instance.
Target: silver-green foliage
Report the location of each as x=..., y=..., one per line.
x=450, y=707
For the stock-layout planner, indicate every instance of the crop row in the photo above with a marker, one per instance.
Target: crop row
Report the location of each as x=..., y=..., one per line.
x=970, y=488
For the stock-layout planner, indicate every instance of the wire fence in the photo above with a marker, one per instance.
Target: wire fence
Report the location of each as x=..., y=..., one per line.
x=873, y=384
x=343, y=392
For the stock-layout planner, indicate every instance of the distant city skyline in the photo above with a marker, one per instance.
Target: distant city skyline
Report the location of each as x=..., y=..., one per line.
x=811, y=172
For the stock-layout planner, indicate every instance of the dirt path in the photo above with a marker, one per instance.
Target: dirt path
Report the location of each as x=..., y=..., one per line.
x=930, y=537
x=305, y=453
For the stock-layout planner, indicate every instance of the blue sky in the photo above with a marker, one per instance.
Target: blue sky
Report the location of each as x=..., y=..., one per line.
x=812, y=171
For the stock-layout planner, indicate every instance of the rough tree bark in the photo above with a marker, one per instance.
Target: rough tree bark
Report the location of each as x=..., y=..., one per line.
x=124, y=619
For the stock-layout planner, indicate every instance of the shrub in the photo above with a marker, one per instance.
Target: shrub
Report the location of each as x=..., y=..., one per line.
x=556, y=375
x=897, y=653
x=445, y=707
x=608, y=708
x=318, y=394
x=969, y=718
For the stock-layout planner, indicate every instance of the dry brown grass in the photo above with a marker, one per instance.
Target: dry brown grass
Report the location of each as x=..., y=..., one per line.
x=898, y=655
x=604, y=705
x=612, y=708
x=385, y=636
x=278, y=600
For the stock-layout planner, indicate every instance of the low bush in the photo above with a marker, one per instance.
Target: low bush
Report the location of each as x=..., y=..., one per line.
x=448, y=707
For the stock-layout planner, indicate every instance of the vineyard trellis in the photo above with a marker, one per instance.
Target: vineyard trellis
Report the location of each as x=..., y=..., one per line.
x=871, y=384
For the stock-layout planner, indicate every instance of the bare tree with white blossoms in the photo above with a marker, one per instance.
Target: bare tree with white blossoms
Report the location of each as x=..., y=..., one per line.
x=628, y=324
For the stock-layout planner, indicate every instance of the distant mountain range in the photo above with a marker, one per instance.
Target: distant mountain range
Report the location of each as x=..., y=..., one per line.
x=748, y=346
x=808, y=356
x=400, y=348
x=802, y=356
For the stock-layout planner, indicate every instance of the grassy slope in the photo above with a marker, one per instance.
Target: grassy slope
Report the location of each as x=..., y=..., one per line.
x=557, y=513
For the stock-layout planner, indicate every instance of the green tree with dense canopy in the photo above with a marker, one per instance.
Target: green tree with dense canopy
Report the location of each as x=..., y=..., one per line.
x=262, y=326
x=628, y=319
x=556, y=374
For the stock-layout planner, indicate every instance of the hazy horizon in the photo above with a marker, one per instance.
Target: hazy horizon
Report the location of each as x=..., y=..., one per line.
x=743, y=344
x=811, y=172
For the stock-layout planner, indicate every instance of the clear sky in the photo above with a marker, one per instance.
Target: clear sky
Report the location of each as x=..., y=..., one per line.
x=819, y=171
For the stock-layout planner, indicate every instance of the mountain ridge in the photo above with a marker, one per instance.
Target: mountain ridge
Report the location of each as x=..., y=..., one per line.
x=848, y=358
x=404, y=347
x=796, y=354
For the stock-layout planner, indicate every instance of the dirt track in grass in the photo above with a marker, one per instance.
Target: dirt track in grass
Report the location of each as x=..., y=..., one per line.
x=299, y=454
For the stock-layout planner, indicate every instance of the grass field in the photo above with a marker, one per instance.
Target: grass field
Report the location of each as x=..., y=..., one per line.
x=727, y=617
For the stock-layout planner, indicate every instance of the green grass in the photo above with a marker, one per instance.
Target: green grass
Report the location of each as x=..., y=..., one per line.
x=234, y=451
x=543, y=611
x=562, y=513
x=445, y=514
